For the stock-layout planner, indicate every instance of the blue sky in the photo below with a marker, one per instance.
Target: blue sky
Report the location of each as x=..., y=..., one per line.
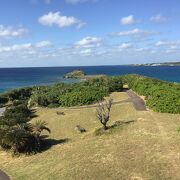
x=88, y=32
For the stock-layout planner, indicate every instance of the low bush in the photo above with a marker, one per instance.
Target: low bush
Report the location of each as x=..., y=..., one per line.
x=160, y=96
x=84, y=97
x=17, y=134
x=82, y=93
x=3, y=100
x=19, y=94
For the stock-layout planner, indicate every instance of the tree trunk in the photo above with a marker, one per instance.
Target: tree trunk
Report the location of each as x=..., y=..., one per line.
x=104, y=127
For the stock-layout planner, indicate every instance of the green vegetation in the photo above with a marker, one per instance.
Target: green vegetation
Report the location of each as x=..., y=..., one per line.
x=144, y=149
x=3, y=99
x=83, y=93
x=160, y=96
x=16, y=133
x=77, y=145
x=77, y=74
x=20, y=94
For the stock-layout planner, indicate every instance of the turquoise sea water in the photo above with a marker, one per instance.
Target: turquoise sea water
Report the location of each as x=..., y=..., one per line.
x=19, y=77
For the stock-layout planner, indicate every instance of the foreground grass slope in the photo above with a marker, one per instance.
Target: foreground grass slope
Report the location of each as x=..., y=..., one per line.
x=147, y=148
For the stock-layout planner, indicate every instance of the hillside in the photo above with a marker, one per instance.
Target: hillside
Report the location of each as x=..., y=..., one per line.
x=145, y=146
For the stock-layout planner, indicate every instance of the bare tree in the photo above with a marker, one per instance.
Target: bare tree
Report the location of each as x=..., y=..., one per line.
x=103, y=112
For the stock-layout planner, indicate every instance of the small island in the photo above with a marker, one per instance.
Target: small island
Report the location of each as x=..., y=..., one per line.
x=76, y=74
x=79, y=74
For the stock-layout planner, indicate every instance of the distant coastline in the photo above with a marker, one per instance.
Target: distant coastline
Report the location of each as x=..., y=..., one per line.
x=159, y=64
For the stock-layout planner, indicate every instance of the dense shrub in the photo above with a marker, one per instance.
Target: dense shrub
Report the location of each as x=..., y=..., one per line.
x=49, y=95
x=111, y=84
x=17, y=114
x=16, y=94
x=3, y=100
x=17, y=134
x=82, y=93
x=160, y=96
x=115, y=84
x=83, y=97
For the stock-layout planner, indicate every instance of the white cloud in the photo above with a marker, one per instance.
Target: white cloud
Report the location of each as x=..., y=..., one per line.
x=73, y=2
x=170, y=46
x=168, y=43
x=128, y=20
x=158, y=19
x=162, y=43
x=27, y=47
x=10, y=32
x=135, y=32
x=86, y=52
x=143, y=49
x=16, y=47
x=125, y=46
x=88, y=42
x=43, y=44
x=59, y=20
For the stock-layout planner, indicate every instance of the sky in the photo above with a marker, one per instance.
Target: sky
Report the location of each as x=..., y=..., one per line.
x=39, y=33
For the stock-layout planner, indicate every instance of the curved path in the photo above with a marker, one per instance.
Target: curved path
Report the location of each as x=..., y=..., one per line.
x=138, y=103
x=96, y=105
x=4, y=176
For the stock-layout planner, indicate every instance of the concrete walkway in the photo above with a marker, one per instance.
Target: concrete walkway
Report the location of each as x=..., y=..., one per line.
x=4, y=176
x=139, y=103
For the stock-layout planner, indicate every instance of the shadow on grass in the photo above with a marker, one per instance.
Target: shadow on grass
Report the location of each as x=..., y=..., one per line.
x=33, y=115
x=125, y=89
x=117, y=125
x=48, y=143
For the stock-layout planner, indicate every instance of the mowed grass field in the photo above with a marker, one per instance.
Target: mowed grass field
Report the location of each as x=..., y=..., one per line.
x=146, y=149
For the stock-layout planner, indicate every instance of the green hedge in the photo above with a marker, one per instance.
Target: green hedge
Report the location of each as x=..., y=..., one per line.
x=160, y=96
x=83, y=97
x=16, y=94
x=82, y=93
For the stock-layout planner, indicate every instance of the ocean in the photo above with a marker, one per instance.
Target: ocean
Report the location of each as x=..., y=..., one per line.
x=11, y=78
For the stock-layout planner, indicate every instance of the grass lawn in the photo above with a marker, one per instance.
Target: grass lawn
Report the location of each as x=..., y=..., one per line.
x=148, y=148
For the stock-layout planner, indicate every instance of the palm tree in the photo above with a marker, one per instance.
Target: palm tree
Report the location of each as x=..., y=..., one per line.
x=37, y=128
x=22, y=137
x=15, y=137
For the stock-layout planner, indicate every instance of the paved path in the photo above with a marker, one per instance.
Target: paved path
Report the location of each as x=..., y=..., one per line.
x=139, y=103
x=4, y=176
x=96, y=105
x=135, y=99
